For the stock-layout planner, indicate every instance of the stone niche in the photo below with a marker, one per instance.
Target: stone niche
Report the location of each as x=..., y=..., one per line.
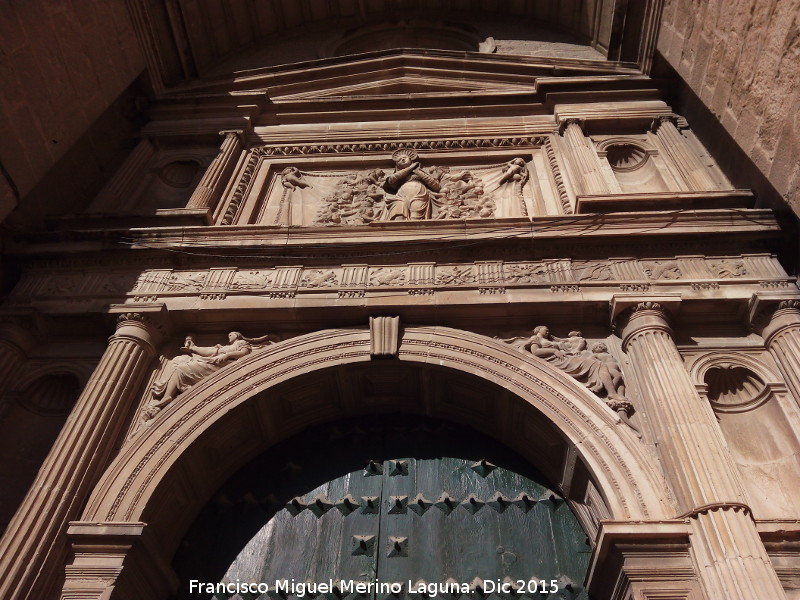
x=399, y=186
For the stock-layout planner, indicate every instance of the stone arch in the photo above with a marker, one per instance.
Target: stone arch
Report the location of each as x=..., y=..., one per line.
x=144, y=482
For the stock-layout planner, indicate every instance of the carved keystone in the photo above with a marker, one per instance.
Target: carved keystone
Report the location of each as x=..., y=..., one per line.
x=384, y=336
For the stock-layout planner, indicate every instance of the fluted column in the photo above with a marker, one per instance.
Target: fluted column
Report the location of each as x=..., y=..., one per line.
x=116, y=193
x=588, y=174
x=212, y=185
x=731, y=560
x=34, y=547
x=782, y=339
x=693, y=172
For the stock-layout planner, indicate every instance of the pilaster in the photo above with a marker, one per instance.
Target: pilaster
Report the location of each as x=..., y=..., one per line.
x=212, y=185
x=116, y=193
x=728, y=554
x=691, y=170
x=588, y=174
x=34, y=547
x=16, y=341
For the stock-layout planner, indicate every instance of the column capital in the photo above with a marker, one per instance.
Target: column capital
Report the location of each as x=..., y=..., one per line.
x=771, y=313
x=661, y=119
x=146, y=324
x=237, y=133
x=631, y=314
x=676, y=120
x=563, y=125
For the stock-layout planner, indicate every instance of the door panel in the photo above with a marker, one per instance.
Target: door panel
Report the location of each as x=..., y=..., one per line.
x=439, y=503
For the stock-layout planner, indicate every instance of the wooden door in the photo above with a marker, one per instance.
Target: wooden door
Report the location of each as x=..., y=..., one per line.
x=427, y=508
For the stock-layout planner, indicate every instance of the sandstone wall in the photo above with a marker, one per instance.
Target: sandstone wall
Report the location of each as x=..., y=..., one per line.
x=742, y=59
x=62, y=64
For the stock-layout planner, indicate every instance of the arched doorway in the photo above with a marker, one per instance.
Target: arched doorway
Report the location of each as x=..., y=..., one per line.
x=384, y=506
x=153, y=491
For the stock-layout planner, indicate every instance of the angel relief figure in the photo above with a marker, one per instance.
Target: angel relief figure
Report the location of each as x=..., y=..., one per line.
x=195, y=364
x=595, y=368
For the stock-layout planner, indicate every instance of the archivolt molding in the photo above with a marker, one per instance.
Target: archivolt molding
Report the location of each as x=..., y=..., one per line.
x=620, y=464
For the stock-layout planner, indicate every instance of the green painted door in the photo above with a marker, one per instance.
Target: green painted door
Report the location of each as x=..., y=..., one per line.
x=430, y=507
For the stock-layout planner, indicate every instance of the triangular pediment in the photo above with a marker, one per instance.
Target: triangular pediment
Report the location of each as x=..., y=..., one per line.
x=392, y=74
x=407, y=81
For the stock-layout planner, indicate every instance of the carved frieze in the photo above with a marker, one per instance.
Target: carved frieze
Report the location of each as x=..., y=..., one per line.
x=401, y=187
x=506, y=142
x=319, y=278
x=697, y=273
x=387, y=276
x=251, y=280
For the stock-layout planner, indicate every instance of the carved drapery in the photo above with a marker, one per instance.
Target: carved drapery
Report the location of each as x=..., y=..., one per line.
x=728, y=553
x=212, y=185
x=782, y=339
x=34, y=547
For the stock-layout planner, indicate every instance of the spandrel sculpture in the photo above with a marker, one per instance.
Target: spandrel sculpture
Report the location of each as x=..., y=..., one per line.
x=594, y=367
x=195, y=364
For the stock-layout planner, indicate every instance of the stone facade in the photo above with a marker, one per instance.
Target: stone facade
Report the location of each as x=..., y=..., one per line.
x=538, y=247
x=741, y=60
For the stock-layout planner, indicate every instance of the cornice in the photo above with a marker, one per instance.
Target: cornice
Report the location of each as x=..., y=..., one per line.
x=709, y=224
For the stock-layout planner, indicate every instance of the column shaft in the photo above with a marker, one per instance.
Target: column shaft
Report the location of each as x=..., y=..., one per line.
x=782, y=339
x=731, y=560
x=212, y=185
x=33, y=549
